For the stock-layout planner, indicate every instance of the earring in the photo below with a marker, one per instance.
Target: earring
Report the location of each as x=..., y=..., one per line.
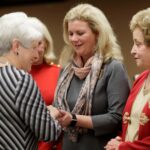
x=17, y=53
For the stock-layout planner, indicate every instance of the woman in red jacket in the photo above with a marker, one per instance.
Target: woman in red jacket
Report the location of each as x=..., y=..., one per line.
x=45, y=72
x=136, y=115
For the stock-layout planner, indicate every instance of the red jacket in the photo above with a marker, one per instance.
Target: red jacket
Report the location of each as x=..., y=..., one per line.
x=143, y=141
x=46, y=77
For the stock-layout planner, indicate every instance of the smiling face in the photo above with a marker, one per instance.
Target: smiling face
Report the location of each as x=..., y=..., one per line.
x=41, y=48
x=140, y=51
x=82, y=38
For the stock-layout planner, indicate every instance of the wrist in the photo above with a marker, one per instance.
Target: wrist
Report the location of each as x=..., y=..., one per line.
x=73, y=120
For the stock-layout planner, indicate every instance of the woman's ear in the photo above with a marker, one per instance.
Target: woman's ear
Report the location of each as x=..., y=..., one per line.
x=97, y=35
x=15, y=46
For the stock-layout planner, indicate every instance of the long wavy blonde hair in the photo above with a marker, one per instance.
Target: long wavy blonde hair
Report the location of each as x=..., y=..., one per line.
x=106, y=43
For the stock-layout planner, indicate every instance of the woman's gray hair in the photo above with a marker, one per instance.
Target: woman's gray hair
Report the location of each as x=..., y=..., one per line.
x=106, y=41
x=15, y=26
x=142, y=20
x=41, y=27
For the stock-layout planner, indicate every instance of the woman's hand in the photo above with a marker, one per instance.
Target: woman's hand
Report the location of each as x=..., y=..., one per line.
x=65, y=118
x=54, y=112
x=113, y=144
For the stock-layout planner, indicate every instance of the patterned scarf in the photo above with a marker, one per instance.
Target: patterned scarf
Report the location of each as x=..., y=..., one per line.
x=91, y=72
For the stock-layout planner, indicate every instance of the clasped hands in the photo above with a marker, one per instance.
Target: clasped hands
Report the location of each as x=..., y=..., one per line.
x=63, y=117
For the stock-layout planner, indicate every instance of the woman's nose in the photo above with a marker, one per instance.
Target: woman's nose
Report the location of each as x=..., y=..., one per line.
x=35, y=55
x=133, y=50
x=40, y=48
x=74, y=38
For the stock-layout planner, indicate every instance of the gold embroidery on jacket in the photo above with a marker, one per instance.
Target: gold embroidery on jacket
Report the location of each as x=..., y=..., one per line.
x=143, y=119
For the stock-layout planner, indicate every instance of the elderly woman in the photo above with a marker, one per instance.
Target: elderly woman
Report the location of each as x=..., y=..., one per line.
x=136, y=115
x=24, y=116
x=45, y=72
x=90, y=94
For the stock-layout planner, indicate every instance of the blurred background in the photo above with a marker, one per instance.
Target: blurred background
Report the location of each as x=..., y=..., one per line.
x=52, y=12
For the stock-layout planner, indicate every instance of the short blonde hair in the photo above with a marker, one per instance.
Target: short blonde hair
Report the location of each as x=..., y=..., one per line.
x=107, y=42
x=49, y=54
x=142, y=20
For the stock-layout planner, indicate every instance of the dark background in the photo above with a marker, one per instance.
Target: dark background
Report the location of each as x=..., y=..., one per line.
x=24, y=2
x=52, y=12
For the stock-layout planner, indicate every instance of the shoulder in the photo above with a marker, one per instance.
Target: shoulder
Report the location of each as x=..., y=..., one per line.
x=114, y=65
x=50, y=66
x=141, y=77
x=115, y=69
x=144, y=74
x=53, y=68
x=53, y=65
x=16, y=75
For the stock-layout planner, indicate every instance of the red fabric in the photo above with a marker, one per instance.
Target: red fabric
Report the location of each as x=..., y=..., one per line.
x=46, y=77
x=143, y=141
x=49, y=146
